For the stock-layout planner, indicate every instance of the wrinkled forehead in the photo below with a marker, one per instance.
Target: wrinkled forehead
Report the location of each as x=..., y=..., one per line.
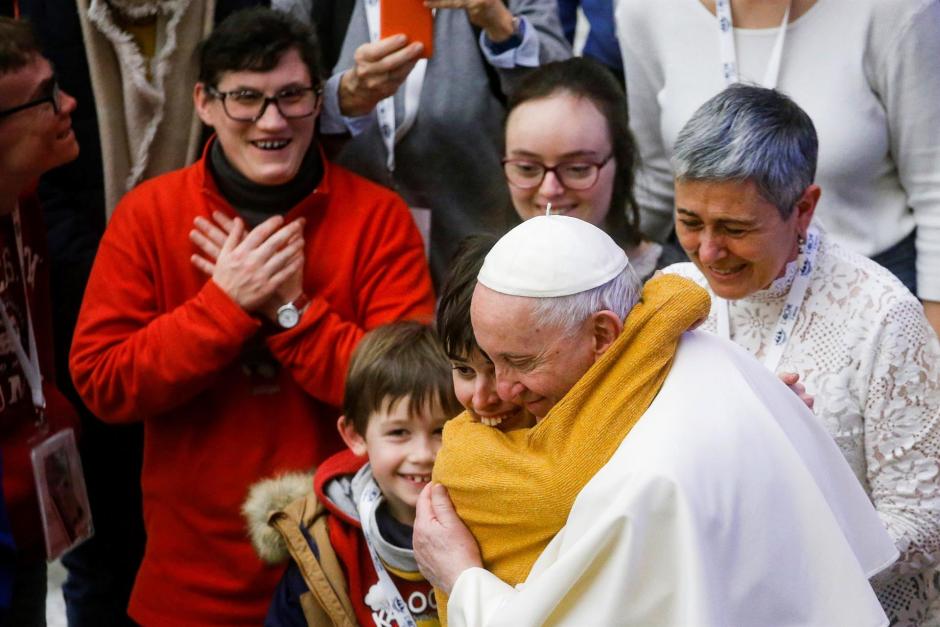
x=507, y=324
x=487, y=303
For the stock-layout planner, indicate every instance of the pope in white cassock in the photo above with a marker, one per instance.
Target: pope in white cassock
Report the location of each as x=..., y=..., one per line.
x=723, y=502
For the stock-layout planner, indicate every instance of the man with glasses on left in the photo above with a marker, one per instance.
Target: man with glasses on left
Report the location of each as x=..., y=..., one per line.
x=222, y=310
x=35, y=137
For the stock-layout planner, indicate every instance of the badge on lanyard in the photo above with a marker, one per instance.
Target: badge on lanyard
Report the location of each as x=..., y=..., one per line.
x=63, y=500
x=57, y=467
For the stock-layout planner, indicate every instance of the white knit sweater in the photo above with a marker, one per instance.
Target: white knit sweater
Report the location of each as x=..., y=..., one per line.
x=866, y=71
x=864, y=350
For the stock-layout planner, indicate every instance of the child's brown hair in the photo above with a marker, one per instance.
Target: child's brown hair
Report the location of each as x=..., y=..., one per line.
x=394, y=361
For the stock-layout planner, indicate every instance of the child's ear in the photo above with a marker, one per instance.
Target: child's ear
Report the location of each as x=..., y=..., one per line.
x=352, y=438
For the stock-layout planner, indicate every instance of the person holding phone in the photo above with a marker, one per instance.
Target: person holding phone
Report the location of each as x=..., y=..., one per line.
x=432, y=130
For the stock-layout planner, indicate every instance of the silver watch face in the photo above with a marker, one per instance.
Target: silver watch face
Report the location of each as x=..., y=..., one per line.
x=288, y=316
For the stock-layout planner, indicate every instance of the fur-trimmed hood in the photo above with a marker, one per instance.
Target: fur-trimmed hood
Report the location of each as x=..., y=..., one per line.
x=266, y=497
x=337, y=483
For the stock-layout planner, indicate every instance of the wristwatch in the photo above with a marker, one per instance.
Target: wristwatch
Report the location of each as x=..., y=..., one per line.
x=289, y=315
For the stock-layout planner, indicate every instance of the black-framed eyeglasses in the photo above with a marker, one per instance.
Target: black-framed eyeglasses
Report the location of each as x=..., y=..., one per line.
x=578, y=175
x=52, y=96
x=248, y=105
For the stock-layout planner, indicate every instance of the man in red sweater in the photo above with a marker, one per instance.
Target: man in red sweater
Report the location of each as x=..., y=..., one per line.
x=35, y=137
x=222, y=309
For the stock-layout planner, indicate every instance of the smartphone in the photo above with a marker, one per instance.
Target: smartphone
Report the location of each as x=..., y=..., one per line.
x=410, y=17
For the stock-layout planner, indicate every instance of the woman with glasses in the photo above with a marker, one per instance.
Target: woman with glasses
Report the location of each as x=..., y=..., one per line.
x=569, y=151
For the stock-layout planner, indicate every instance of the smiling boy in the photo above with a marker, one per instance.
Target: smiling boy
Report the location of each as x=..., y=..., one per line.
x=362, y=508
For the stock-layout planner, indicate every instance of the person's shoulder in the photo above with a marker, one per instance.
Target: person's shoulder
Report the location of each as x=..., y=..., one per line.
x=169, y=182
x=344, y=181
x=643, y=9
x=894, y=11
x=686, y=269
x=890, y=19
x=154, y=193
x=705, y=409
x=361, y=198
x=867, y=279
x=713, y=375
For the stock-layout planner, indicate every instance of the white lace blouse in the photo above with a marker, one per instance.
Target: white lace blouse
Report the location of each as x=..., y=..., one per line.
x=865, y=351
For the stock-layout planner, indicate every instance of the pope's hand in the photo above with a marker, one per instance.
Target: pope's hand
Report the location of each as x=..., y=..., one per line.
x=792, y=381
x=380, y=67
x=443, y=545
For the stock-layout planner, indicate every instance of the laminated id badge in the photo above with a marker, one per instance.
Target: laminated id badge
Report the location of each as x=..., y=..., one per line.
x=60, y=486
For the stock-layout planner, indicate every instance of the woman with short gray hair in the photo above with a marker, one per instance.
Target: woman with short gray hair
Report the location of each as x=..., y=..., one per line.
x=865, y=71
x=786, y=292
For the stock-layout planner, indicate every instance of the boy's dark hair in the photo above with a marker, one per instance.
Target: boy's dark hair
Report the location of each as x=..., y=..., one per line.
x=255, y=39
x=18, y=44
x=588, y=79
x=394, y=361
x=453, y=311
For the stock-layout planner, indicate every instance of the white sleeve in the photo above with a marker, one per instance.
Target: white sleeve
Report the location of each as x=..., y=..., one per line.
x=907, y=80
x=902, y=434
x=654, y=181
x=612, y=549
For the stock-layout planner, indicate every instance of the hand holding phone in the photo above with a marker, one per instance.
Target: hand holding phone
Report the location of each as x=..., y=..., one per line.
x=380, y=68
x=410, y=18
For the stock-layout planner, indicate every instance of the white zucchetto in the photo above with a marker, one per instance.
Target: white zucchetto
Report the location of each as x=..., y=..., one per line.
x=550, y=256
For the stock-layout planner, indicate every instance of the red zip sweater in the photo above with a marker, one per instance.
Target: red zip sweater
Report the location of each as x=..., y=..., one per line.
x=156, y=341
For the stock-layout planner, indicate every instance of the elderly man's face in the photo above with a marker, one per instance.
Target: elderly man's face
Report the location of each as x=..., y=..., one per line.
x=536, y=365
x=270, y=150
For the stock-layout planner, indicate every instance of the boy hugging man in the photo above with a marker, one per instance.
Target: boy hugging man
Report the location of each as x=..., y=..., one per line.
x=350, y=537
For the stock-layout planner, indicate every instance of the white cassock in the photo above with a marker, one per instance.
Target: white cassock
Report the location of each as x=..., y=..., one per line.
x=727, y=504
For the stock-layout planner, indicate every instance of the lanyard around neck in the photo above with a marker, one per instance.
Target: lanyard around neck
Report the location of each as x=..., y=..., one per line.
x=394, y=604
x=28, y=362
x=805, y=264
x=414, y=84
x=729, y=55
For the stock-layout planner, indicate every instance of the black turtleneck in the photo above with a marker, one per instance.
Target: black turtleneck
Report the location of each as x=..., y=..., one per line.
x=255, y=202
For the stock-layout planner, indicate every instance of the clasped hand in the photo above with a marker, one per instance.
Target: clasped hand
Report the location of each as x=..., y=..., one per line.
x=260, y=269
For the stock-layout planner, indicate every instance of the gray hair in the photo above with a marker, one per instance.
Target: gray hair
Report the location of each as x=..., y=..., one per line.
x=749, y=133
x=618, y=295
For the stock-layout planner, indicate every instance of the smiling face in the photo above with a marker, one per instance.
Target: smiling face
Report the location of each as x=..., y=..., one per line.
x=735, y=237
x=557, y=129
x=270, y=150
x=37, y=139
x=475, y=387
x=401, y=446
x=536, y=365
